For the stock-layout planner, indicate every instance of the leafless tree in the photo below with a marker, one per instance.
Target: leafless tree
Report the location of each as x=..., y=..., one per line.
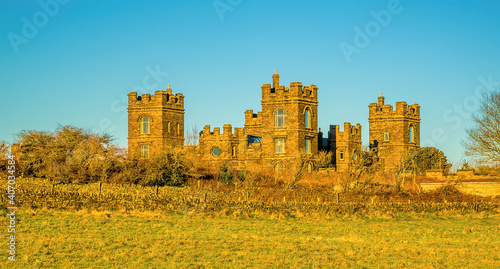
x=4, y=150
x=68, y=154
x=483, y=139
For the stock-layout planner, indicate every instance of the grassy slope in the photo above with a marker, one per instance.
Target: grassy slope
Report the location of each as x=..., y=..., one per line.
x=97, y=239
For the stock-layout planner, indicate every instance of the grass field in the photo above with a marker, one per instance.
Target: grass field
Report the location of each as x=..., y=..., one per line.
x=205, y=225
x=151, y=239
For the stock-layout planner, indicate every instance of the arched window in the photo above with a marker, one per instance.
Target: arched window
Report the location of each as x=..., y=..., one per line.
x=308, y=145
x=386, y=135
x=168, y=127
x=411, y=133
x=354, y=155
x=145, y=125
x=279, y=166
x=341, y=155
x=279, y=118
x=178, y=128
x=307, y=118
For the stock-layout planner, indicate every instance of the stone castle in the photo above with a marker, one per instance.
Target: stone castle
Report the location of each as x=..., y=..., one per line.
x=277, y=136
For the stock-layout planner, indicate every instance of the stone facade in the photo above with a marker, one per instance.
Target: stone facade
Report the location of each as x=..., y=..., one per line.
x=154, y=122
x=393, y=133
x=286, y=128
x=277, y=136
x=346, y=145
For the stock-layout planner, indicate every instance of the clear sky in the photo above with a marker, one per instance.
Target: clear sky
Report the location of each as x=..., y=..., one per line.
x=74, y=62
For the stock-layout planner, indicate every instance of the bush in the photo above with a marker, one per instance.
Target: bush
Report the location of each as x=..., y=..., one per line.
x=69, y=154
x=225, y=175
x=168, y=168
x=423, y=159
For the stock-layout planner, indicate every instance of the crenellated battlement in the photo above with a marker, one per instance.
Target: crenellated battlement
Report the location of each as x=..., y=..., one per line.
x=295, y=91
x=252, y=119
x=227, y=132
x=158, y=99
x=350, y=132
x=382, y=110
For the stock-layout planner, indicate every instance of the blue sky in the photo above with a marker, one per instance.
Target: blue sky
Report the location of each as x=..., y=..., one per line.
x=74, y=62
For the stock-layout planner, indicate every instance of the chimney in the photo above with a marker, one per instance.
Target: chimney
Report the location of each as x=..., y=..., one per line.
x=381, y=100
x=276, y=79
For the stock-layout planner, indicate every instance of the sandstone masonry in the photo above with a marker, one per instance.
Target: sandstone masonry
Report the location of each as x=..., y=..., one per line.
x=284, y=130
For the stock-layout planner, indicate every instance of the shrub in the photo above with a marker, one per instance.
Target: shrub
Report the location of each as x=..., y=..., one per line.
x=225, y=175
x=168, y=168
x=69, y=154
x=423, y=159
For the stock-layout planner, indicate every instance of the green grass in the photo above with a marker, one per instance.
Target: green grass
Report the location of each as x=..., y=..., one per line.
x=153, y=239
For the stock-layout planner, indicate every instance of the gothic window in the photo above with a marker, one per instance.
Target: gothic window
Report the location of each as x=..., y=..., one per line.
x=307, y=118
x=308, y=145
x=145, y=151
x=279, y=118
x=233, y=151
x=354, y=155
x=145, y=125
x=386, y=135
x=178, y=128
x=341, y=155
x=279, y=145
x=411, y=133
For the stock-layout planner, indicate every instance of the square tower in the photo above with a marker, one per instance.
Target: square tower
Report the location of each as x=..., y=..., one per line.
x=289, y=121
x=393, y=133
x=346, y=145
x=154, y=122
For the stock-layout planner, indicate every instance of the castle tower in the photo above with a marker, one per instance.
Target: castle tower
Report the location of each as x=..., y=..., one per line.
x=154, y=122
x=289, y=122
x=345, y=145
x=393, y=133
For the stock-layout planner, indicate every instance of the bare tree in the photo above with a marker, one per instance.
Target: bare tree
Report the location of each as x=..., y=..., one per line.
x=192, y=138
x=483, y=139
x=68, y=154
x=4, y=150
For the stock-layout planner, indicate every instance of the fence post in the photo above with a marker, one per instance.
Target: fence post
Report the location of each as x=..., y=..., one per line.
x=100, y=188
